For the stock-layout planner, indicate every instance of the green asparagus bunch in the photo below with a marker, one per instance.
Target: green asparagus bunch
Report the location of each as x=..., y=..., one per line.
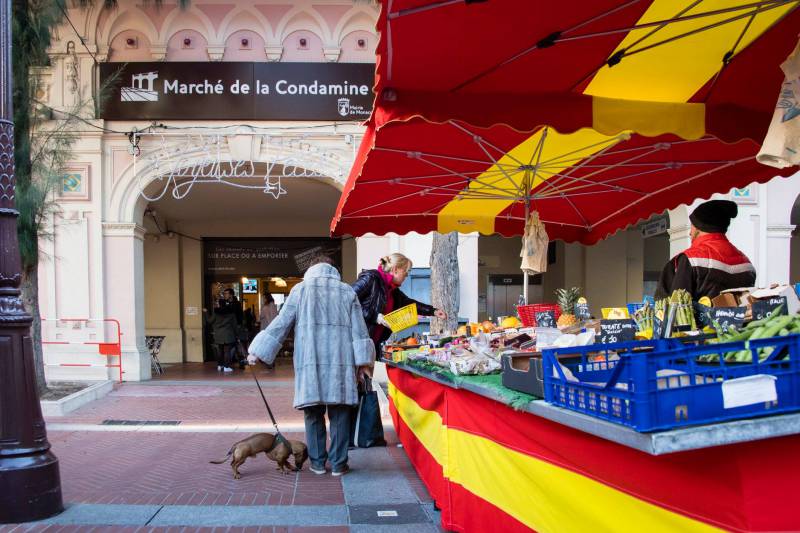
x=644, y=317
x=684, y=315
x=774, y=324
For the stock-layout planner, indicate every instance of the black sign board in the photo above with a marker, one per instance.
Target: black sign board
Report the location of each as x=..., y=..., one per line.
x=727, y=317
x=233, y=258
x=582, y=312
x=546, y=319
x=622, y=330
x=238, y=90
x=761, y=308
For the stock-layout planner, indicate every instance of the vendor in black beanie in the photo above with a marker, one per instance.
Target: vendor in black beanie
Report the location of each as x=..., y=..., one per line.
x=711, y=264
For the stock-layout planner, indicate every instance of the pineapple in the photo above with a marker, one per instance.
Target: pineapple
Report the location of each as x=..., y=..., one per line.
x=567, y=298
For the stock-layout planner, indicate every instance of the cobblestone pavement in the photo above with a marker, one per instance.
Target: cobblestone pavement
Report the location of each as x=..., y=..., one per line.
x=138, y=460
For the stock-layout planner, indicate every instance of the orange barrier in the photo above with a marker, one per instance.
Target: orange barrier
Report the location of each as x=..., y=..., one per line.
x=84, y=331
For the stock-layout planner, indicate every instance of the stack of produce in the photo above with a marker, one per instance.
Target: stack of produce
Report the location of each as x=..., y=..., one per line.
x=775, y=324
x=681, y=301
x=645, y=319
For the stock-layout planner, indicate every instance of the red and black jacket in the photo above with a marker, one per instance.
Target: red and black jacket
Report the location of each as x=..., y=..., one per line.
x=711, y=265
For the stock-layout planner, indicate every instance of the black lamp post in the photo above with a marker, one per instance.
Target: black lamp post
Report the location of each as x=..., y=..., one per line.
x=30, y=485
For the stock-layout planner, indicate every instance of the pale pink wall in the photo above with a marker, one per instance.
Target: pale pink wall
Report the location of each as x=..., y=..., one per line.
x=236, y=51
x=352, y=53
x=196, y=50
x=293, y=52
x=120, y=51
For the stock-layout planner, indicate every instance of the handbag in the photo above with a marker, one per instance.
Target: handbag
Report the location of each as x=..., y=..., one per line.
x=368, y=424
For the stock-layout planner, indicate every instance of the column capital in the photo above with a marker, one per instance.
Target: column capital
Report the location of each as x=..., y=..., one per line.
x=123, y=229
x=158, y=52
x=780, y=230
x=274, y=53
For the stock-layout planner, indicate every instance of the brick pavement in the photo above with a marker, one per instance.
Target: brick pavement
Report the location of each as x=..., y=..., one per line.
x=131, y=473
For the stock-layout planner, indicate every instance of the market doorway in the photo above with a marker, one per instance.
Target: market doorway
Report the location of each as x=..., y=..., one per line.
x=253, y=268
x=655, y=238
x=180, y=281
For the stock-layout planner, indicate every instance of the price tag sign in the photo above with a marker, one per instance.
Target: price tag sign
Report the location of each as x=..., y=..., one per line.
x=620, y=330
x=582, y=312
x=727, y=317
x=546, y=319
x=761, y=308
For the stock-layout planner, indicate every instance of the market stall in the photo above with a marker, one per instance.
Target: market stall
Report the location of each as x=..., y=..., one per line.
x=661, y=416
x=489, y=466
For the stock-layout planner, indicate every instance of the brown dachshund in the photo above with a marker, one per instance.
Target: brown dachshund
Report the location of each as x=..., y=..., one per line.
x=279, y=450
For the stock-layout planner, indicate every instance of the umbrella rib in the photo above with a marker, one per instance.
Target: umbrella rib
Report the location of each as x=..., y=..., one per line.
x=614, y=188
x=603, y=169
x=738, y=41
x=423, y=8
x=660, y=24
x=680, y=19
x=560, y=158
x=479, y=141
x=672, y=185
x=581, y=164
x=706, y=28
x=482, y=140
x=471, y=180
x=530, y=49
x=418, y=155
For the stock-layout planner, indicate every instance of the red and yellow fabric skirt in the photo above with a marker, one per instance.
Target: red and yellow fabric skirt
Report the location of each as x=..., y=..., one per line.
x=490, y=468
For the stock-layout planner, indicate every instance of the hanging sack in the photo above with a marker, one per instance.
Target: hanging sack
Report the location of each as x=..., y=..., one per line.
x=368, y=424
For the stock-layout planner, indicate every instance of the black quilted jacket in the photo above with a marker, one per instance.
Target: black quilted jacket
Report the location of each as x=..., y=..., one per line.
x=371, y=294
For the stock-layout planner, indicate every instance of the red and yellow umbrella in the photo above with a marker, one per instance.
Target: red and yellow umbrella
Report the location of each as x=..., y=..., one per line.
x=595, y=114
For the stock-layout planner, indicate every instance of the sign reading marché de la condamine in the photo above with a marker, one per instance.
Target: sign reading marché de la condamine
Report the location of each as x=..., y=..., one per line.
x=238, y=90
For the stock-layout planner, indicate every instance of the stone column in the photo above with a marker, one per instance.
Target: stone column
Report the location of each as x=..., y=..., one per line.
x=30, y=484
x=123, y=246
x=779, y=245
x=678, y=231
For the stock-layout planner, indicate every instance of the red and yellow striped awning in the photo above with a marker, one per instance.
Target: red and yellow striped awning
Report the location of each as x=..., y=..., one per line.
x=598, y=113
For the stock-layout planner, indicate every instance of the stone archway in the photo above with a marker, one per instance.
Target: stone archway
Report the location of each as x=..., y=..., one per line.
x=124, y=238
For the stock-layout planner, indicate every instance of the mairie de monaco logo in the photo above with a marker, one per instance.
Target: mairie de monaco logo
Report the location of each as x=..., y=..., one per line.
x=343, y=105
x=141, y=89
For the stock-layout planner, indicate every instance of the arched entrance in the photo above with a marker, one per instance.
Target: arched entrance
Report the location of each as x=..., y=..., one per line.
x=154, y=249
x=221, y=236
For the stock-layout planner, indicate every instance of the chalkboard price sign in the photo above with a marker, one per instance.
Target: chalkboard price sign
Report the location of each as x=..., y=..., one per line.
x=582, y=312
x=761, y=308
x=546, y=319
x=621, y=330
x=727, y=317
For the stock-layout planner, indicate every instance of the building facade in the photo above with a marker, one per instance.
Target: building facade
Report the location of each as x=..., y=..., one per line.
x=146, y=234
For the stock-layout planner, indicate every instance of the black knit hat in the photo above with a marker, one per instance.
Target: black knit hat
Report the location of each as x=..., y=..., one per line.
x=714, y=216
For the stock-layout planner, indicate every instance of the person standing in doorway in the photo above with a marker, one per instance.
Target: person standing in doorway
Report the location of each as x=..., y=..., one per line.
x=224, y=324
x=332, y=349
x=379, y=293
x=268, y=311
x=711, y=264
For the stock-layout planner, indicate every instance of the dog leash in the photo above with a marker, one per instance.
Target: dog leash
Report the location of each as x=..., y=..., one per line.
x=278, y=435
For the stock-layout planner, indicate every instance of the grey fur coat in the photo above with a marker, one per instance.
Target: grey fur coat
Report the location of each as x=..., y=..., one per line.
x=330, y=338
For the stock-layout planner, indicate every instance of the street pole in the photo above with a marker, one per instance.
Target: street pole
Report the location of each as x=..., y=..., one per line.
x=30, y=485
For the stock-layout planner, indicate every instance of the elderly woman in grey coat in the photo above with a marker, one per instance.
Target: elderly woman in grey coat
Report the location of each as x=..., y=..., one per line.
x=331, y=345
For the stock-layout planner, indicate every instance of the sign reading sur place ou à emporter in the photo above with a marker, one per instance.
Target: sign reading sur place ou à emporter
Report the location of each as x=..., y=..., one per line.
x=238, y=90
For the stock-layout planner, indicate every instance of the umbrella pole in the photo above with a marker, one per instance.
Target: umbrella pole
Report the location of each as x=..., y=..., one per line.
x=525, y=272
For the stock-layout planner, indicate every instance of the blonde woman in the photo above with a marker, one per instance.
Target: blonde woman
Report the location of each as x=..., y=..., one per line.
x=379, y=293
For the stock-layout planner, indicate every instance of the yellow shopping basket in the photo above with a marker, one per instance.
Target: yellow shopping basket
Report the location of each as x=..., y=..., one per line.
x=403, y=318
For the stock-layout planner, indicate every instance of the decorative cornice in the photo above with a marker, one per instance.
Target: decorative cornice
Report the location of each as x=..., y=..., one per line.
x=274, y=53
x=158, y=52
x=784, y=230
x=215, y=52
x=332, y=54
x=123, y=229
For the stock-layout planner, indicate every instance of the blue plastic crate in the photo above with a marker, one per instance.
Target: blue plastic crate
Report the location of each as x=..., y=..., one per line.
x=660, y=384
